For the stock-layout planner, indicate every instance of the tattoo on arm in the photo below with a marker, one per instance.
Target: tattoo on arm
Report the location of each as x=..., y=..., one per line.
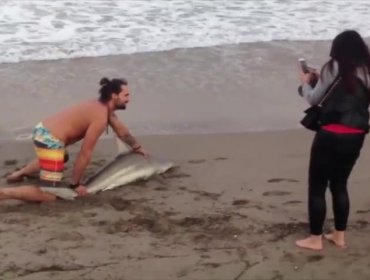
x=130, y=140
x=122, y=131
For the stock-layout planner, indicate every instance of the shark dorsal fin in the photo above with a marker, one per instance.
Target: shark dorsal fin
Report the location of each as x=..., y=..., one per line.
x=122, y=148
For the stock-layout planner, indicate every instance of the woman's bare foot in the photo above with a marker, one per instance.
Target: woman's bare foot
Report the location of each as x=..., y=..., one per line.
x=337, y=238
x=15, y=177
x=314, y=242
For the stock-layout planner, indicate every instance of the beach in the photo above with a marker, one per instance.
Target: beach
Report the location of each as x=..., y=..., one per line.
x=213, y=89
x=231, y=209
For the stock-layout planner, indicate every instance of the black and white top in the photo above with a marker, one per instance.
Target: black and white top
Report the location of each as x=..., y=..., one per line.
x=314, y=95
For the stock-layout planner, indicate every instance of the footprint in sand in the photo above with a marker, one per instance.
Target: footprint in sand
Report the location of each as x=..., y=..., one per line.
x=200, y=194
x=362, y=211
x=116, y=227
x=182, y=273
x=277, y=180
x=67, y=236
x=10, y=162
x=213, y=196
x=292, y=202
x=161, y=188
x=315, y=258
x=14, y=221
x=197, y=161
x=276, y=193
x=211, y=265
x=90, y=214
x=288, y=257
x=220, y=158
x=361, y=224
x=120, y=204
x=171, y=213
x=239, y=202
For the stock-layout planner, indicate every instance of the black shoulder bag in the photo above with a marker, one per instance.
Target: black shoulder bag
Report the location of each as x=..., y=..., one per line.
x=312, y=118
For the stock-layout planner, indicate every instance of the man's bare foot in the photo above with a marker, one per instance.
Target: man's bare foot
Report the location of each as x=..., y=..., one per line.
x=15, y=177
x=3, y=195
x=314, y=242
x=337, y=238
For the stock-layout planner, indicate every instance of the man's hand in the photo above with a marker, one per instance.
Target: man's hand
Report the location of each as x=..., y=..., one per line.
x=81, y=190
x=141, y=151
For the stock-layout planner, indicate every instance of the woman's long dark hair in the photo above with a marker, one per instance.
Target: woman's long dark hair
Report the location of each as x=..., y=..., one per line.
x=351, y=52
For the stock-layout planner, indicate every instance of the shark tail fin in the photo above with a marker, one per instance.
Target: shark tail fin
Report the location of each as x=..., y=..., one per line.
x=122, y=148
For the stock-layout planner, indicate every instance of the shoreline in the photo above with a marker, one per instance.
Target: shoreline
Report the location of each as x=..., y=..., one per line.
x=179, y=49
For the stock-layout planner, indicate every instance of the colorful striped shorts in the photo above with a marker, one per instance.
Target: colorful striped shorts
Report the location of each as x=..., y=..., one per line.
x=51, y=154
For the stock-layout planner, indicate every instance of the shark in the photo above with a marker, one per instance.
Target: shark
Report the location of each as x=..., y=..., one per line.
x=125, y=168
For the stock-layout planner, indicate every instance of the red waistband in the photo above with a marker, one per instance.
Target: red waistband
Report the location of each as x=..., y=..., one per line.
x=339, y=128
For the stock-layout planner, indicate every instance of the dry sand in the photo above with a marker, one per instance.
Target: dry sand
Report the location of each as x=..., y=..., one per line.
x=232, y=209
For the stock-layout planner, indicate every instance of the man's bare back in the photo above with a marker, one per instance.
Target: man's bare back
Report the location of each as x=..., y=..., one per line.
x=71, y=124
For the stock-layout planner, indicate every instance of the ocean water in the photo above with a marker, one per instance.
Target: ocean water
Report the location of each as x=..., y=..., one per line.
x=44, y=29
x=243, y=78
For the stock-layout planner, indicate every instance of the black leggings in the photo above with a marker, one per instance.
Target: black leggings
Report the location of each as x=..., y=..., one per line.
x=332, y=159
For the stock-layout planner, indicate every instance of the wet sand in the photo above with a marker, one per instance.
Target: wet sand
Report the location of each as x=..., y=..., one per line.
x=234, y=88
x=232, y=209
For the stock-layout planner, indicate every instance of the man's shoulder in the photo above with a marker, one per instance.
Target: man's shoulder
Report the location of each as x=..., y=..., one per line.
x=92, y=111
x=93, y=108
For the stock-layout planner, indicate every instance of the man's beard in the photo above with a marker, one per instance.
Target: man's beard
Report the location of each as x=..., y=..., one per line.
x=120, y=107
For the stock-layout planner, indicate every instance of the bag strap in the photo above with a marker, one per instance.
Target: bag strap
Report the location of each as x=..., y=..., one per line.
x=330, y=89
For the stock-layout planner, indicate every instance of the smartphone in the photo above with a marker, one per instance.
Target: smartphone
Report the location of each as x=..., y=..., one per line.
x=304, y=65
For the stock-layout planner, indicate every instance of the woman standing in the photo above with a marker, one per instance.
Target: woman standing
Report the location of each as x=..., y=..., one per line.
x=344, y=124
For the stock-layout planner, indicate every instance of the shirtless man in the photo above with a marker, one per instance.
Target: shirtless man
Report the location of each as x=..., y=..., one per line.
x=87, y=121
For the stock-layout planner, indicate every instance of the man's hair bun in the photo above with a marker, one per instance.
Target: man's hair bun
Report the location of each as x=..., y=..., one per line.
x=104, y=81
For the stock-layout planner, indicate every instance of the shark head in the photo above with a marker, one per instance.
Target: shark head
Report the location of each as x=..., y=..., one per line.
x=123, y=169
x=126, y=168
